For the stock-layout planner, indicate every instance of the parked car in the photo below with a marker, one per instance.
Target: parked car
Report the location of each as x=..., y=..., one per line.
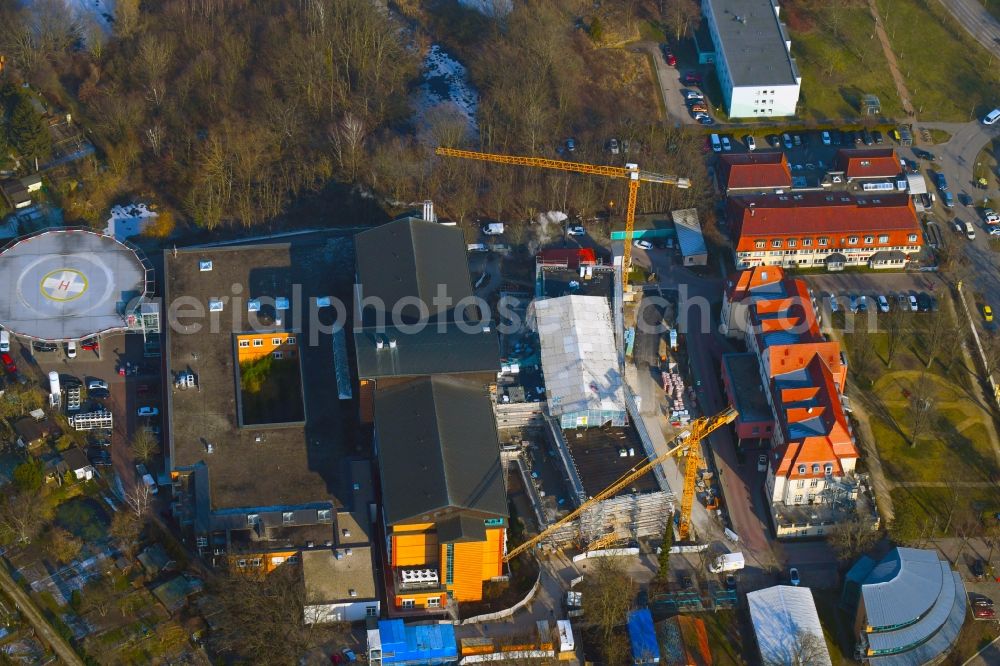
x=983, y=602
x=883, y=303
x=977, y=569
x=71, y=349
x=571, y=144
x=923, y=302
x=697, y=107
x=750, y=143
x=793, y=576
x=987, y=313
x=727, y=145
x=797, y=139
x=825, y=136
x=903, y=301
x=493, y=228
x=994, y=231
x=834, y=305
x=924, y=154
x=8, y=364
x=44, y=346
x=913, y=302
x=862, y=303
x=948, y=199
x=96, y=383
x=852, y=303
x=643, y=244
x=787, y=140
x=704, y=119
x=990, y=216
x=762, y=463
x=773, y=140
x=894, y=134
x=668, y=55
x=877, y=136
x=90, y=345
x=576, y=230
x=99, y=393
x=69, y=381
x=867, y=138
x=859, y=137
x=613, y=146
x=983, y=612
x=148, y=411
x=4, y=341
x=99, y=457
x=692, y=94
x=692, y=78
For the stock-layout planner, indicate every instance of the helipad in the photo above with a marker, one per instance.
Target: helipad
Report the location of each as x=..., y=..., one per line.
x=70, y=284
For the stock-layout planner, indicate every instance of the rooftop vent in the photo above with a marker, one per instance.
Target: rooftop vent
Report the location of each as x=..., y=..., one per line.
x=352, y=592
x=253, y=305
x=280, y=303
x=392, y=343
x=346, y=532
x=323, y=301
x=379, y=343
x=205, y=265
x=209, y=448
x=215, y=305
x=310, y=544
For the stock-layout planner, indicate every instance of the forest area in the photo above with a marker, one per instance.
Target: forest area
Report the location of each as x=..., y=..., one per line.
x=242, y=114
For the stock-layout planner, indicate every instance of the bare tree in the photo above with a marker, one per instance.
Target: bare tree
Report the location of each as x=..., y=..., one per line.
x=897, y=333
x=680, y=16
x=805, y=649
x=921, y=407
x=862, y=353
x=608, y=594
x=125, y=528
x=853, y=537
x=261, y=618
x=348, y=138
x=139, y=499
x=144, y=444
x=21, y=518
x=940, y=336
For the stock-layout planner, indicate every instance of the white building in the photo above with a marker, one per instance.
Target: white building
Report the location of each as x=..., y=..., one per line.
x=787, y=626
x=756, y=70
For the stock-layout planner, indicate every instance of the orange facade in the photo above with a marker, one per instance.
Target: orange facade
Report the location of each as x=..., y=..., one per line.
x=252, y=346
x=461, y=571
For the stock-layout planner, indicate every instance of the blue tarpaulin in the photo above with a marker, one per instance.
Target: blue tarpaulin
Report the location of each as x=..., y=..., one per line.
x=642, y=636
x=417, y=643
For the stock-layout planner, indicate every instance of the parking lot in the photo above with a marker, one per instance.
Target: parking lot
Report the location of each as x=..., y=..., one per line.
x=126, y=393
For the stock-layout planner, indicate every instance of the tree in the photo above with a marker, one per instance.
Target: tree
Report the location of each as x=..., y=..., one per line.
x=941, y=335
x=21, y=518
x=680, y=16
x=896, y=331
x=139, y=499
x=607, y=597
x=61, y=545
x=851, y=538
x=921, y=407
x=260, y=618
x=664, y=558
x=905, y=527
x=144, y=445
x=125, y=528
x=28, y=133
x=805, y=649
x=28, y=476
x=862, y=354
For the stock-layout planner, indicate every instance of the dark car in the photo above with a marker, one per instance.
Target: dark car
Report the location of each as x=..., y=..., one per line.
x=846, y=137
x=69, y=381
x=44, y=346
x=99, y=393
x=859, y=137
x=940, y=181
x=99, y=457
x=924, y=154
x=834, y=138
x=797, y=139
x=877, y=136
x=977, y=568
x=964, y=199
x=983, y=602
x=773, y=140
x=866, y=137
x=923, y=302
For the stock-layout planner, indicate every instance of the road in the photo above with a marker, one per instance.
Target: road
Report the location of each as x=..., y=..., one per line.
x=977, y=21
x=41, y=626
x=669, y=83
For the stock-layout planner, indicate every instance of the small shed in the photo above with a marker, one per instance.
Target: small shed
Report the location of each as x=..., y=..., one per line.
x=835, y=261
x=15, y=193
x=32, y=183
x=689, y=237
x=76, y=462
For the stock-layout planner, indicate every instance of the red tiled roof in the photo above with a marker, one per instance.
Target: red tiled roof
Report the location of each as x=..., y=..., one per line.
x=753, y=278
x=570, y=257
x=868, y=163
x=812, y=213
x=767, y=169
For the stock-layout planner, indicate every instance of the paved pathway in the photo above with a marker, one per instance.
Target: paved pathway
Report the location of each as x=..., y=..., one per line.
x=38, y=622
x=977, y=21
x=668, y=81
x=890, y=57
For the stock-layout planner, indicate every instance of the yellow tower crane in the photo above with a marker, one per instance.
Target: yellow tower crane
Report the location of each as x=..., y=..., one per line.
x=631, y=172
x=689, y=446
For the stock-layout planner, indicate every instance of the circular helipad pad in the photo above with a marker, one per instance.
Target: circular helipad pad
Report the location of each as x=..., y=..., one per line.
x=68, y=285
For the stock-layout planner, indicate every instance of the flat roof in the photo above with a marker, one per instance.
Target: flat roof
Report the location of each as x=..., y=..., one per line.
x=283, y=465
x=597, y=455
x=689, y=234
x=579, y=356
x=743, y=370
x=446, y=348
x=753, y=42
x=69, y=284
x=328, y=579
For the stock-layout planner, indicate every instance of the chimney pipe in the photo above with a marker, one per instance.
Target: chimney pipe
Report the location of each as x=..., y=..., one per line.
x=428, y=214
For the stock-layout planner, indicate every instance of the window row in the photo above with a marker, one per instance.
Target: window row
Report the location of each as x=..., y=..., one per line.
x=824, y=241
x=275, y=342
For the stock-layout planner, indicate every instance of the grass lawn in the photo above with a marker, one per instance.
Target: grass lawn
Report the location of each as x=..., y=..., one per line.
x=271, y=391
x=949, y=75
x=723, y=637
x=940, y=136
x=84, y=518
x=838, y=60
x=924, y=506
x=836, y=628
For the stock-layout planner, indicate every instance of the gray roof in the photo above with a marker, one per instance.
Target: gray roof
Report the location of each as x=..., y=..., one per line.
x=68, y=284
x=428, y=351
x=689, y=234
x=328, y=579
x=409, y=259
x=579, y=356
x=744, y=372
x=753, y=41
x=916, y=591
x=780, y=615
x=916, y=184
x=438, y=450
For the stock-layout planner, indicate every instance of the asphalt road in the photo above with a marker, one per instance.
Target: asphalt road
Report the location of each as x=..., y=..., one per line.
x=669, y=83
x=977, y=21
x=38, y=622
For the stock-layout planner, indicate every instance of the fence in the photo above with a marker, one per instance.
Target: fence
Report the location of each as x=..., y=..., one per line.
x=507, y=612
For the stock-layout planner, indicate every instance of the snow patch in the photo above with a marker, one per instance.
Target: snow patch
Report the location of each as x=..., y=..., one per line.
x=489, y=7
x=102, y=12
x=128, y=221
x=446, y=83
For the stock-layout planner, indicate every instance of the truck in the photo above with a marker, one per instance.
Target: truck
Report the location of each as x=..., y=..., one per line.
x=147, y=478
x=493, y=228
x=727, y=562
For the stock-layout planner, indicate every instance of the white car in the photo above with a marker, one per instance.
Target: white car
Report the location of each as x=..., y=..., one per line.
x=751, y=144
x=793, y=576
x=994, y=231
x=148, y=411
x=826, y=138
x=693, y=94
x=576, y=230
x=643, y=244
x=493, y=228
x=762, y=463
x=96, y=384
x=613, y=146
x=71, y=349
x=883, y=303
x=913, y=303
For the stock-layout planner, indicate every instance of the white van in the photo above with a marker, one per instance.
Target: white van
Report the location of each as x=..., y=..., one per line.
x=4, y=341
x=992, y=117
x=716, y=143
x=71, y=349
